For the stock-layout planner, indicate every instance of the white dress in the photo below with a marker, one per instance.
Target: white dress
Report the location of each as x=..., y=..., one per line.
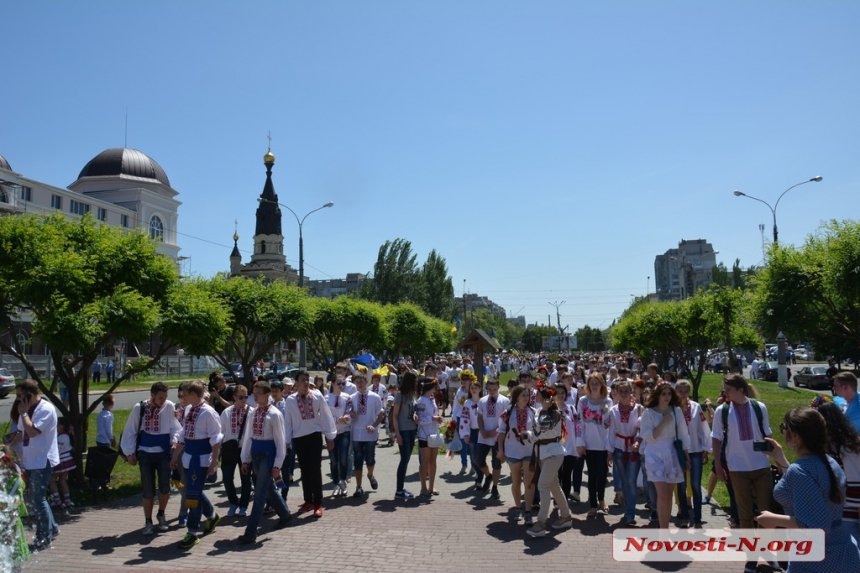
x=661, y=459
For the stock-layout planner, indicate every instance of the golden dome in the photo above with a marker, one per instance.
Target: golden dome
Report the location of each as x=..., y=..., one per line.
x=269, y=158
x=235, y=236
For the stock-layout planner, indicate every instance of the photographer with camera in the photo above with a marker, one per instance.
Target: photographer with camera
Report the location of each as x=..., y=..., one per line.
x=740, y=427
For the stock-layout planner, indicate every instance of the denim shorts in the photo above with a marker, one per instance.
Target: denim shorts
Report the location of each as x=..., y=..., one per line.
x=364, y=453
x=152, y=467
x=511, y=460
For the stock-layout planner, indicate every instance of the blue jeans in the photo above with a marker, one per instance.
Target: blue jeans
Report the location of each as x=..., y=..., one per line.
x=465, y=451
x=408, y=439
x=37, y=483
x=696, y=482
x=650, y=493
x=365, y=453
x=627, y=465
x=339, y=457
x=264, y=490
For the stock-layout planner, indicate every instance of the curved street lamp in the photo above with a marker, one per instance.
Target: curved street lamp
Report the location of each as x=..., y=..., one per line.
x=300, y=222
x=815, y=179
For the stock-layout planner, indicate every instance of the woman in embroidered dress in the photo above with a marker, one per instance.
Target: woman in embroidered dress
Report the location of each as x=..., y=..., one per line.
x=428, y=418
x=660, y=426
x=514, y=425
x=700, y=446
x=570, y=473
x=339, y=404
x=593, y=411
x=623, y=444
x=547, y=435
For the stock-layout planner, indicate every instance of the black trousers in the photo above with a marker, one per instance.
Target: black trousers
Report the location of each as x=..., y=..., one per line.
x=309, y=452
x=597, y=476
x=570, y=475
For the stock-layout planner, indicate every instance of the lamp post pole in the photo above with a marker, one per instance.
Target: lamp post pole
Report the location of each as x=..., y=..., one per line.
x=815, y=179
x=782, y=372
x=301, y=222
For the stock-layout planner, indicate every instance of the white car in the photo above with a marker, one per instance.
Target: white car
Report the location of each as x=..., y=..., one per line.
x=7, y=382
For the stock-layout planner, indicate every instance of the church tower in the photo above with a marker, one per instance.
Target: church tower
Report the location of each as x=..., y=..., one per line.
x=268, y=240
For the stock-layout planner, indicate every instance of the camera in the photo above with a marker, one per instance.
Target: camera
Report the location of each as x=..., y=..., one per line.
x=762, y=447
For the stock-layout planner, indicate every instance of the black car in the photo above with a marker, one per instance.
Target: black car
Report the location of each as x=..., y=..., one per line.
x=769, y=371
x=814, y=377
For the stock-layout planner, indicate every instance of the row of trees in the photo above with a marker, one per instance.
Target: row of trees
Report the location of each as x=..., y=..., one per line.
x=85, y=286
x=810, y=293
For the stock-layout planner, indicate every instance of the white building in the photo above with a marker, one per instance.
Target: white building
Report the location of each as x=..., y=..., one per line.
x=121, y=187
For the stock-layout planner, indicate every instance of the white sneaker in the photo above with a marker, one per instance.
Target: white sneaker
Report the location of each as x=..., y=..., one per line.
x=162, y=523
x=149, y=529
x=539, y=530
x=337, y=491
x=343, y=489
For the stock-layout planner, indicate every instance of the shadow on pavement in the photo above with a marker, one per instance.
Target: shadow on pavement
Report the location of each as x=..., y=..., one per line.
x=107, y=544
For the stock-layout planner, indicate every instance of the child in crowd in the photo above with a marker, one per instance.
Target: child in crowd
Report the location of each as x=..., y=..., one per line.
x=60, y=485
x=104, y=425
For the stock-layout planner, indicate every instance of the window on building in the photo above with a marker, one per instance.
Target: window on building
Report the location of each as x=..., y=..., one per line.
x=102, y=212
x=123, y=220
x=156, y=229
x=56, y=202
x=78, y=208
x=26, y=193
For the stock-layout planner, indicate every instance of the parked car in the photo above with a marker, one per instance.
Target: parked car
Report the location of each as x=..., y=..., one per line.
x=7, y=382
x=769, y=371
x=814, y=377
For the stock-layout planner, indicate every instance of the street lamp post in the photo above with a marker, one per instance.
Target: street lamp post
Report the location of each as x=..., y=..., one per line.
x=815, y=179
x=782, y=372
x=301, y=222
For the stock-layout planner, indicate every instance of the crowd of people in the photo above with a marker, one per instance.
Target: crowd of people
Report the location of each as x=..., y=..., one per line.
x=558, y=426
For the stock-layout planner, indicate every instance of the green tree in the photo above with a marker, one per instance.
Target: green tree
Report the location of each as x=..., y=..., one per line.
x=344, y=326
x=395, y=275
x=437, y=289
x=534, y=335
x=261, y=314
x=590, y=339
x=652, y=331
x=86, y=286
x=811, y=293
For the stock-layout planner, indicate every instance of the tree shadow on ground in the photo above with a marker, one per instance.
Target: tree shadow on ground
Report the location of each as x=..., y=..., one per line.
x=107, y=544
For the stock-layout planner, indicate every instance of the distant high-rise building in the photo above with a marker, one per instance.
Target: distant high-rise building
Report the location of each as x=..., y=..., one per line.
x=679, y=273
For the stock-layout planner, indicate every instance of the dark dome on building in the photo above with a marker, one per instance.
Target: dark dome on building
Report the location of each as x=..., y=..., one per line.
x=124, y=161
x=5, y=164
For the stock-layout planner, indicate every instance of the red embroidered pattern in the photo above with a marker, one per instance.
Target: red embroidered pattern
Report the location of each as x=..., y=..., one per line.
x=362, y=404
x=688, y=413
x=306, y=406
x=191, y=421
x=491, y=406
x=522, y=419
x=259, y=421
x=625, y=416
x=152, y=419
x=236, y=419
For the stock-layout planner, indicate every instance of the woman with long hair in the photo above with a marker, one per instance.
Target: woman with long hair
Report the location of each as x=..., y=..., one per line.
x=514, y=447
x=547, y=434
x=593, y=409
x=428, y=417
x=812, y=492
x=623, y=444
x=700, y=445
x=665, y=436
x=843, y=445
x=404, y=427
x=570, y=473
x=469, y=426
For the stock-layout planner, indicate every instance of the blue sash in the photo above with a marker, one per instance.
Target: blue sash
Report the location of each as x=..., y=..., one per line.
x=263, y=447
x=198, y=447
x=148, y=440
x=195, y=475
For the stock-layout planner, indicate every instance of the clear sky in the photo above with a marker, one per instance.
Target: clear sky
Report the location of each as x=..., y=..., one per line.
x=548, y=150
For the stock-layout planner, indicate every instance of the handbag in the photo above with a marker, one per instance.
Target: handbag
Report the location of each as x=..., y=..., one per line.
x=679, y=445
x=435, y=440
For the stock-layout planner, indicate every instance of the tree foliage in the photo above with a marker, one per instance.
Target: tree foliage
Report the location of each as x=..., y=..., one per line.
x=86, y=286
x=811, y=293
x=590, y=339
x=534, y=334
x=437, y=288
x=344, y=326
x=395, y=275
x=261, y=314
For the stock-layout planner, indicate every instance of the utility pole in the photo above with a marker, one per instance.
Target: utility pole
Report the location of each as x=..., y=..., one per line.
x=557, y=305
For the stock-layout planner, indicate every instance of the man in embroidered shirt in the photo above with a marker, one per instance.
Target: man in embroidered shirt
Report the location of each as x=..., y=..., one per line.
x=845, y=386
x=264, y=449
x=490, y=408
x=198, y=446
x=147, y=439
x=368, y=411
x=307, y=418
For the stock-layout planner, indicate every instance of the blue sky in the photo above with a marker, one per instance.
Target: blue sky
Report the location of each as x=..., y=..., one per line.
x=548, y=150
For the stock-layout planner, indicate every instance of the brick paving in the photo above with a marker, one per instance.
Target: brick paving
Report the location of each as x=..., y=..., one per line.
x=456, y=530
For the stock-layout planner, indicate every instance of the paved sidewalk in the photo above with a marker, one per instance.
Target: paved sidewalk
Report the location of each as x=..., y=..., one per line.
x=454, y=531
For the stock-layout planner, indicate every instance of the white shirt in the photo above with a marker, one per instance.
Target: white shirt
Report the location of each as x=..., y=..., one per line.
x=338, y=405
x=459, y=399
x=489, y=411
x=380, y=391
x=207, y=425
x=675, y=429
x=306, y=415
x=700, y=431
x=268, y=426
x=365, y=413
x=513, y=447
x=740, y=456
x=41, y=449
x=163, y=421
x=426, y=409
x=622, y=433
x=231, y=425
